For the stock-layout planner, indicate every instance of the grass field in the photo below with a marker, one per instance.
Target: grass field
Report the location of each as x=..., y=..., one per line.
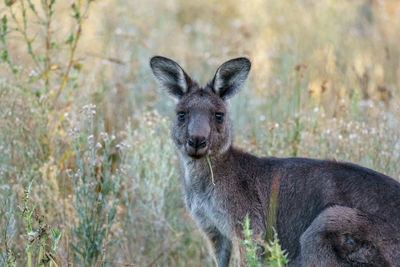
x=88, y=173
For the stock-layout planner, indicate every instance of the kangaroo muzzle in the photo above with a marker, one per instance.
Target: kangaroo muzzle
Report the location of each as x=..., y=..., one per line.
x=198, y=135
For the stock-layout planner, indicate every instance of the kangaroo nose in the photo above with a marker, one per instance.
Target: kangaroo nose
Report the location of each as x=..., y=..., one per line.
x=197, y=142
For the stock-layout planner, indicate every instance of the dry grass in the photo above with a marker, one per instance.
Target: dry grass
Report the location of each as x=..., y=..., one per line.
x=325, y=83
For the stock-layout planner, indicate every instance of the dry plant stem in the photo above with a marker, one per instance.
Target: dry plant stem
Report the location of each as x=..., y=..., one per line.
x=33, y=9
x=48, y=12
x=23, y=30
x=27, y=215
x=71, y=60
x=209, y=165
x=29, y=42
x=65, y=76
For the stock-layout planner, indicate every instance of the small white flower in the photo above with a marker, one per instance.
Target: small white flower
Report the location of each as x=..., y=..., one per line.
x=127, y=145
x=98, y=145
x=352, y=136
x=33, y=73
x=104, y=136
x=316, y=109
x=90, y=139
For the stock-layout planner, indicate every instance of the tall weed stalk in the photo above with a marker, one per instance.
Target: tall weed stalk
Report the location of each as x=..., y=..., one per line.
x=95, y=188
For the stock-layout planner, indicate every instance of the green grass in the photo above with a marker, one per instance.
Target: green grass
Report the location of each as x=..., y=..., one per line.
x=273, y=255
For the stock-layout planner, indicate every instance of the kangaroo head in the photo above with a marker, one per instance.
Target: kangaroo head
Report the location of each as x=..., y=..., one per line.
x=202, y=124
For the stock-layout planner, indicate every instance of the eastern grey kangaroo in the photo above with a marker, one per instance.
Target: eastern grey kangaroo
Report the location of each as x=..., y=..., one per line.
x=328, y=213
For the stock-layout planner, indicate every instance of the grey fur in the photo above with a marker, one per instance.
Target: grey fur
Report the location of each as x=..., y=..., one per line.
x=328, y=213
x=230, y=77
x=169, y=75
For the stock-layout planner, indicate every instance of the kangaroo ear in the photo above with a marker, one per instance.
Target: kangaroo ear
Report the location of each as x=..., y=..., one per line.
x=170, y=76
x=230, y=77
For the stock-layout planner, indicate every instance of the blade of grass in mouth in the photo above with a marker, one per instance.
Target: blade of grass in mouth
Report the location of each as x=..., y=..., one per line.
x=209, y=165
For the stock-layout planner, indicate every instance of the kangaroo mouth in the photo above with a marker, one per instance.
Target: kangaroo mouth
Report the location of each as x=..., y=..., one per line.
x=196, y=153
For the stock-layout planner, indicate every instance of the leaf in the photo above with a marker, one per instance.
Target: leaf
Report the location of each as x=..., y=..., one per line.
x=10, y=2
x=56, y=237
x=4, y=21
x=111, y=215
x=70, y=39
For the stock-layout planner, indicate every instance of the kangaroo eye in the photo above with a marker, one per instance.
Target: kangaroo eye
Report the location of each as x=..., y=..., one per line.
x=181, y=116
x=219, y=117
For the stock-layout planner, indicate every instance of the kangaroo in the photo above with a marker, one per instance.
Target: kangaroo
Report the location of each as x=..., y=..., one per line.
x=327, y=213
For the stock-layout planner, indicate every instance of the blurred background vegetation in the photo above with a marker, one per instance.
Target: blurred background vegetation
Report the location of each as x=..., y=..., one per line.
x=88, y=174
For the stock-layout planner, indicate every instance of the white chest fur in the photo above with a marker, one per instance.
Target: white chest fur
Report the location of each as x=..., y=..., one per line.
x=201, y=201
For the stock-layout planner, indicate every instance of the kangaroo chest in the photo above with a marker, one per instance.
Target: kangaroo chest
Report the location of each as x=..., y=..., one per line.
x=203, y=205
x=207, y=211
